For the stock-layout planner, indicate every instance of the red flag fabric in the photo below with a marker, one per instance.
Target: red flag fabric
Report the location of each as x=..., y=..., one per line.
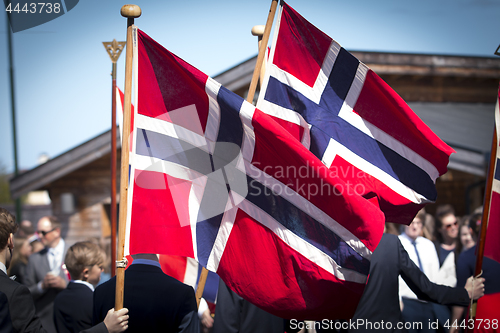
x=351, y=119
x=184, y=269
x=218, y=180
x=492, y=245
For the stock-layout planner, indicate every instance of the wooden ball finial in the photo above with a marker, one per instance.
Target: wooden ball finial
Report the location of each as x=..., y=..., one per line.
x=258, y=30
x=131, y=11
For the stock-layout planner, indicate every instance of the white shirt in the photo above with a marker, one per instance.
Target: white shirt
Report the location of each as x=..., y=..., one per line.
x=447, y=273
x=428, y=257
x=85, y=283
x=56, y=257
x=3, y=268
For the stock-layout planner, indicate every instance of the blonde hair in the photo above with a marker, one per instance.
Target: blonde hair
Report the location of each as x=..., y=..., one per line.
x=83, y=255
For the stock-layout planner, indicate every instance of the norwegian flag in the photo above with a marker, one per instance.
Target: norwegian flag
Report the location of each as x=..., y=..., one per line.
x=492, y=246
x=215, y=179
x=351, y=119
x=186, y=270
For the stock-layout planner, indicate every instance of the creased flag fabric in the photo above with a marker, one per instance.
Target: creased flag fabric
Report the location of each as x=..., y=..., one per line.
x=184, y=269
x=215, y=179
x=492, y=244
x=351, y=119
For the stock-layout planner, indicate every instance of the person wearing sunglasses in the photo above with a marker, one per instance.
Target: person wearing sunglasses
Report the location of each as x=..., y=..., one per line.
x=45, y=273
x=447, y=240
x=17, y=310
x=446, y=243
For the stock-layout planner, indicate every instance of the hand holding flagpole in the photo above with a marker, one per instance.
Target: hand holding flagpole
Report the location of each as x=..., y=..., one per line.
x=130, y=12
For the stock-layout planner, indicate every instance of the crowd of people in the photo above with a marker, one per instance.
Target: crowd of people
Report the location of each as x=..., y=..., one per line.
x=443, y=246
x=422, y=273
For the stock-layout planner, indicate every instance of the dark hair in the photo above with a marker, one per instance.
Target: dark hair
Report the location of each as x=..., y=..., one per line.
x=441, y=212
x=16, y=253
x=8, y=226
x=464, y=221
x=475, y=223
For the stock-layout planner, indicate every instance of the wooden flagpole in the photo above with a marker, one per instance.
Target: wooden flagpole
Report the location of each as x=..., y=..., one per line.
x=486, y=213
x=114, y=49
x=251, y=93
x=201, y=286
x=130, y=12
x=262, y=52
x=258, y=30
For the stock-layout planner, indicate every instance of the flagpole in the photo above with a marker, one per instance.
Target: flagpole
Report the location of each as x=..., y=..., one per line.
x=13, y=112
x=201, y=286
x=114, y=49
x=262, y=51
x=484, y=221
x=258, y=30
x=130, y=12
x=251, y=93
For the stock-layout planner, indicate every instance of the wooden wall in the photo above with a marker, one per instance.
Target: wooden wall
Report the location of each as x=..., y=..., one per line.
x=90, y=187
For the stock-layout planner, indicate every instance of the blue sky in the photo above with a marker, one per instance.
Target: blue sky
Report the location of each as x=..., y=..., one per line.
x=62, y=71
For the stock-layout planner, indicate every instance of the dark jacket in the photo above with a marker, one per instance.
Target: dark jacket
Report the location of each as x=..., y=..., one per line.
x=73, y=308
x=156, y=301
x=380, y=300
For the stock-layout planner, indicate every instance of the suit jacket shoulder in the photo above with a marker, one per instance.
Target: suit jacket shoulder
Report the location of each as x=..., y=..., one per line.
x=37, y=267
x=73, y=308
x=5, y=321
x=21, y=307
x=156, y=301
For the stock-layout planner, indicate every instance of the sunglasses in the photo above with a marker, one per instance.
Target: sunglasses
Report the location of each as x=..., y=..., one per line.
x=448, y=226
x=44, y=233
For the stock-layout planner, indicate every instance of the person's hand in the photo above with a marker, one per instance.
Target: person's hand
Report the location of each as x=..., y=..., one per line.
x=53, y=281
x=206, y=319
x=116, y=321
x=475, y=287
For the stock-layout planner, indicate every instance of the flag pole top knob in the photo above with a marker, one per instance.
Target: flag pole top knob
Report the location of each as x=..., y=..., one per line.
x=258, y=30
x=131, y=11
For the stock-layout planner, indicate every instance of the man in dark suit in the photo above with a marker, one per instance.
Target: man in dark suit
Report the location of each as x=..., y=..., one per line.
x=5, y=323
x=235, y=314
x=156, y=301
x=380, y=300
x=21, y=310
x=45, y=276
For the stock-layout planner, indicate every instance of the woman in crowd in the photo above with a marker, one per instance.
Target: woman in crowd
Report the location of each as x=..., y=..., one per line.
x=488, y=305
x=20, y=254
